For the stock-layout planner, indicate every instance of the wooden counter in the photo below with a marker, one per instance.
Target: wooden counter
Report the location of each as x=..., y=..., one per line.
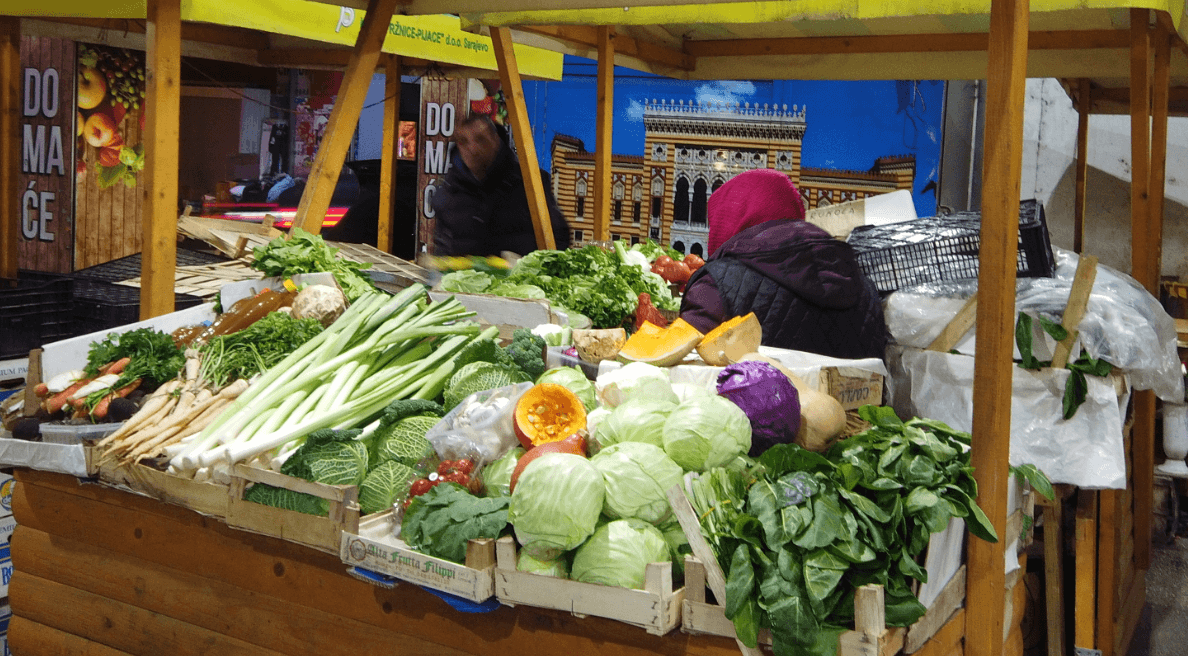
x=104, y=572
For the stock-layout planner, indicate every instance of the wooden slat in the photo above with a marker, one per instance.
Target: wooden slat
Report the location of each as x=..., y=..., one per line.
x=115, y=624
x=1006, y=78
x=957, y=326
x=513, y=91
x=1084, y=104
x=939, y=613
x=902, y=43
x=1085, y=550
x=1074, y=311
x=948, y=640
x=344, y=117
x=162, y=106
x=30, y=638
x=588, y=36
x=261, y=620
x=388, y=153
x=1108, y=576
x=10, y=145
x=1132, y=609
x=605, y=111
x=1054, y=575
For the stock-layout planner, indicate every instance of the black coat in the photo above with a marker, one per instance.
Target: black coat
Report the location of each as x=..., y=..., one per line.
x=489, y=217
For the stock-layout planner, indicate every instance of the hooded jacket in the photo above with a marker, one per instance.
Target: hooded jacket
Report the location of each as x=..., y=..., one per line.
x=804, y=286
x=491, y=216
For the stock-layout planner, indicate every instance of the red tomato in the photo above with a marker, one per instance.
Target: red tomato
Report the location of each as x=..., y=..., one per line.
x=421, y=486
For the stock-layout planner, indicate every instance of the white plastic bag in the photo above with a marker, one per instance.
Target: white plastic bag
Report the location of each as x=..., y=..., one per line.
x=481, y=426
x=1086, y=450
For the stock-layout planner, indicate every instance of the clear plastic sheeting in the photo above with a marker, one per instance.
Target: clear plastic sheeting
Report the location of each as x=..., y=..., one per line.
x=1085, y=451
x=1123, y=323
x=481, y=427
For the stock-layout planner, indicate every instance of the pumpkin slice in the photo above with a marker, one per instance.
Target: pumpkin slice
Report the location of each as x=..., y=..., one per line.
x=731, y=340
x=548, y=413
x=662, y=347
x=596, y=345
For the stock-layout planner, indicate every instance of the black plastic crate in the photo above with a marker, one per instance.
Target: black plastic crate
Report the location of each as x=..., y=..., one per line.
x=941, y=248
x=35, y=312
x=127, y=268
x=100, y=305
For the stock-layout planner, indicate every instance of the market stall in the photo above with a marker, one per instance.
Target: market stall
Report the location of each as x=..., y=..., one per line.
x=984, y=617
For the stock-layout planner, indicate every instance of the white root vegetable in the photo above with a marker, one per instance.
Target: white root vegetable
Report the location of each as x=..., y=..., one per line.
x=101, y=383
x=59, y=383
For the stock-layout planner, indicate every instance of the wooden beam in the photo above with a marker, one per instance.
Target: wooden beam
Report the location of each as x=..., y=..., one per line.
x=10, y=145
x=993, y=367
x=1084, y=105
x=1146, y=246
x=643, y=50
x=323, y=175
x=1085, y=564
x=162, y=107
x=605, y=124
x=229, y=48
x=521, y=127
x=1074, y=311
x=901, y=43
x=331, y=58
x=389, y=154
x=1054, y=574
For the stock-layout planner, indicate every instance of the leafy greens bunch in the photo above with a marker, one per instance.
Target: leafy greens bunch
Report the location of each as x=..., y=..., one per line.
x=308, y=253
x=798, y=535
x=152, y=356
x=1077, y=387
x=252, y=350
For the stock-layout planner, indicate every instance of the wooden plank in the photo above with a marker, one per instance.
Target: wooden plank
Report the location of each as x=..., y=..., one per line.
x=1054, y=575
x=207, y=498
x=1085, y=554
x=1132, y=609
x=389, y=152
x=115, y=624
x=605, y=118
x=1006, y=78
x=1074, y=311
x=587, y=35
x=948, y=639
x=33, y=639
x=256, y=619
x=1108, y=576
x=513, y=91
x=10, y=145
x=32, y=378
x=344, y=117
x=321, y=533
x=1083, y=104
x=162, y=106
x=948, y=602
x=957, y=326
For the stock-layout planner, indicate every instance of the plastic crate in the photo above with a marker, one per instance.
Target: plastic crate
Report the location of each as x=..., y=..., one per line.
x=35, y=312
x=127, y=268
x=941, y=248
x=101, y=305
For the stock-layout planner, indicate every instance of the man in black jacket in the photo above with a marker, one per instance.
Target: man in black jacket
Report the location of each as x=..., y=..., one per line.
x=482, y=208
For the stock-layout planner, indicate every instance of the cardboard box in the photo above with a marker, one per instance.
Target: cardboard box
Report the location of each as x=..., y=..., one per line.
x=7, y=525
x=6, y=483
x=5, y=570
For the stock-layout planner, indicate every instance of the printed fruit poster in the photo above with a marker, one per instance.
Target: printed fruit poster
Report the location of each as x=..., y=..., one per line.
x=109, y=121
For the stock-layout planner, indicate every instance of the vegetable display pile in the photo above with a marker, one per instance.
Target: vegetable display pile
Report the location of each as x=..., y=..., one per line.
x=800, y=532
x=308, y=253
x=252, y=350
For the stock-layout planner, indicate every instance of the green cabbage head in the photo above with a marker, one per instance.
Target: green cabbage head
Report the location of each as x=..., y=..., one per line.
x=575, y=381
x=557, y=568
x=637, y=476
x=636, y=420
x=497, y=475
x=706, y=432
x=556, y=504
x=618, y=554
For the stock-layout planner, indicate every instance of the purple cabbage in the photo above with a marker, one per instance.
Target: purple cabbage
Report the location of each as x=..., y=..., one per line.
x=768, y=399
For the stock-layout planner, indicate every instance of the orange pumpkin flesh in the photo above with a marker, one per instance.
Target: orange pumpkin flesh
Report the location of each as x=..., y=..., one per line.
x=548, y=413
x=575, y=444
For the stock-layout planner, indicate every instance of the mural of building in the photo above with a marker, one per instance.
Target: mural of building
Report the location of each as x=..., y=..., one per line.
x=689, y=151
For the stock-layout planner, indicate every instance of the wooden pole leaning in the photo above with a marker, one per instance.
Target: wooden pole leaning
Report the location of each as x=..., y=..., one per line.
x=327, y=164
x=10, y=145
x=517, y=111
x=1002, y=168
x=389, y=154
x=162, y=123
x=605, y=123
x=1084, y=107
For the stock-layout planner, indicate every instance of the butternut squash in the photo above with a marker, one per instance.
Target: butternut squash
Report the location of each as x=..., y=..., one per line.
x=822, y=418
x=731, y=340
x=658, y=346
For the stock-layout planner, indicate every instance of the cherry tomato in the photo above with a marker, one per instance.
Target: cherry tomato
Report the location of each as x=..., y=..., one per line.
x=465, y=465
x=420, y=486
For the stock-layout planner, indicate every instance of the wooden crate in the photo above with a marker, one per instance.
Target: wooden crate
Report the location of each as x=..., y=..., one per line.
x=321, y=533
x=206, y=497
x=656, y=608
x=373, y=547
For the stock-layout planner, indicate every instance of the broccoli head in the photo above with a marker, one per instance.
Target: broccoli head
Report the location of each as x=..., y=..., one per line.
x=482, y=350
x=527, y=351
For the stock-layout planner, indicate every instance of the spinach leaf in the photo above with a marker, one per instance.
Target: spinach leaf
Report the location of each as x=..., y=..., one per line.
x=822, y=572
x=1039, y=482
x=441, y=521
x=740, y=582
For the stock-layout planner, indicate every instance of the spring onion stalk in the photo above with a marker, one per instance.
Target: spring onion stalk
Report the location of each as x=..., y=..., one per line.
x=387, y=350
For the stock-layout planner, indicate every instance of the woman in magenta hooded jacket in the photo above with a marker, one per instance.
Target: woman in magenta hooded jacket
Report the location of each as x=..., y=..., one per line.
x=805, y=287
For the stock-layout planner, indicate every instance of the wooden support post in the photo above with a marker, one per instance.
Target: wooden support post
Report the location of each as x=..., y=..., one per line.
x=1002, y=164
x=10, y=145
x=327, y=164
x=1146, y=244
x=389, y=153
x=1084, y=106
x=605, y=120
x=162, y=108
x=1109, y=578
x=1074, y=311
x=1085, y=550
x=517, y=111
x=1054, y=574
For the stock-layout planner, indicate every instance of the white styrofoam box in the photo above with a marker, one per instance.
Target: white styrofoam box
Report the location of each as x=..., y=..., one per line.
x=496, y=310
x=15, y=369
x=63, y=458
x=69, y=354
x=7, y=525
x=6, y=483
x=890, y=208
x=76, y=433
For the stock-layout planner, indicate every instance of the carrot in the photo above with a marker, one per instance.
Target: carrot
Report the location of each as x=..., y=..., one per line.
x=100, y=410
x=41, y=390
x=54, y=403
x=115, y=367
